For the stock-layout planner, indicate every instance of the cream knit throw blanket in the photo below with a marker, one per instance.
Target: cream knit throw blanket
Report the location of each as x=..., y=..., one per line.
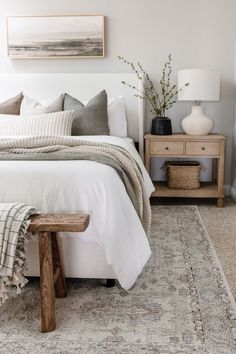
x=70, y=148
x=13, y=228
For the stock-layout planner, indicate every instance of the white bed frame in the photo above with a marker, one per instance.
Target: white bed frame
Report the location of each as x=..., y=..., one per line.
x=81, y=260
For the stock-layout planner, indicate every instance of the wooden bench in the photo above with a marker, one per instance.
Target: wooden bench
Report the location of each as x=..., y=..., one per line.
x=52, y=278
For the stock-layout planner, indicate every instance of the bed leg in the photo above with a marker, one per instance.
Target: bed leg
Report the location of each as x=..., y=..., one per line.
x=110, y=283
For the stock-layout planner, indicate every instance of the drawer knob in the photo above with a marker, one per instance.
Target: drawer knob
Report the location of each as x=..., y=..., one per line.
x=166, y=148
x=203, y=148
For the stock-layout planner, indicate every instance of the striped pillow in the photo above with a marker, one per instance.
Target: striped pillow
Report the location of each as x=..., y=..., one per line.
x=50, y=124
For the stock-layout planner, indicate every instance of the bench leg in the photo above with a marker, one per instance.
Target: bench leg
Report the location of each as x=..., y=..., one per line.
x=46, y=283
x=58, y=269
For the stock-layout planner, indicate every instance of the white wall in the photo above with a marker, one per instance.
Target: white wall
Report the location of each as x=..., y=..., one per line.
x=198, y=33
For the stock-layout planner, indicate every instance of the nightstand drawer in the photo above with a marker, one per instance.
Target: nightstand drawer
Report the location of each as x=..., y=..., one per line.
x=166, y=147
x=202, y=148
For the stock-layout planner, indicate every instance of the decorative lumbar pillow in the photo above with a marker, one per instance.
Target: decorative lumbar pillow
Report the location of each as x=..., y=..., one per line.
x=31, y=106
x=91, y=119
x=12, y=105
x=51, y=124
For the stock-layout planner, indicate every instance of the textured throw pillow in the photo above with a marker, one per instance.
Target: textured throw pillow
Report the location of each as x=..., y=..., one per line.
x=117, y=120
x=31, y=106
x=91, y=119
x=12, y=105
x=51, y=124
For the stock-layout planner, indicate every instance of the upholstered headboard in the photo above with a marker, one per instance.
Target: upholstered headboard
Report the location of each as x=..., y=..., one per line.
x=83, y=86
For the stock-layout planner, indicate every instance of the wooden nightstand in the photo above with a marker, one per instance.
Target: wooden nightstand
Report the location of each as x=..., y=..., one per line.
x=184, y=146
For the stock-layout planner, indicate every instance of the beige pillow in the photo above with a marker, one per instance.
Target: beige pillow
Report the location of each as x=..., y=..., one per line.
x=12, y=105
x=31, y=106
x=51, y=124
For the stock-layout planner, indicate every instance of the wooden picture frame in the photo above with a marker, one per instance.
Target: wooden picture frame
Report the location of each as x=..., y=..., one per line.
x=60, y=36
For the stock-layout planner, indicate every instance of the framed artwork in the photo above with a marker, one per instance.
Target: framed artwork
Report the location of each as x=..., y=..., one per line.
x=55, y=36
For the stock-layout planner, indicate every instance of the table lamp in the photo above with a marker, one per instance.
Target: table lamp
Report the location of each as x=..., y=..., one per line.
x=204, y=85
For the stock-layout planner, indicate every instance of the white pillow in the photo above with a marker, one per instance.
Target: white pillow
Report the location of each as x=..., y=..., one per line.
x=51, y=124
x=117, y=120
x=31, y=106
x=117, y=117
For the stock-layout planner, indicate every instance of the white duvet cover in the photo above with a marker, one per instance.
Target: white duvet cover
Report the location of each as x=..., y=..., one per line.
x=71, y=186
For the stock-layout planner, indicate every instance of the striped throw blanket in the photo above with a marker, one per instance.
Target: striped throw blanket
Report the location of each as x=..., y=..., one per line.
x=13, y=228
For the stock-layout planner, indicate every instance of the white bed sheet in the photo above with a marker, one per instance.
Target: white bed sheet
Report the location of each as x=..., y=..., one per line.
x=70, y=186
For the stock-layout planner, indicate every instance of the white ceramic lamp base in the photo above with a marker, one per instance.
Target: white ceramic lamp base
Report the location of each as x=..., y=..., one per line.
x=197, y=123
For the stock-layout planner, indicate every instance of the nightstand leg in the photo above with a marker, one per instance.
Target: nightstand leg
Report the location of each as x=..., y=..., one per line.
x=147, y=158
x=214, y=170
x=220, y=203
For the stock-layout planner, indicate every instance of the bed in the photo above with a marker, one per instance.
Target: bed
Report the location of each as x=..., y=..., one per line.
x=115, y=244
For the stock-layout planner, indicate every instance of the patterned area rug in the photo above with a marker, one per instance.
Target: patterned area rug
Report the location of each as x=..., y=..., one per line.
x=221, y=226
x=178, y=306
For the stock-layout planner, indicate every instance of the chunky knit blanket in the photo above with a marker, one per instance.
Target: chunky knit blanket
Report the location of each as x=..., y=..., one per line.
x=13, y=228
x=71, y=148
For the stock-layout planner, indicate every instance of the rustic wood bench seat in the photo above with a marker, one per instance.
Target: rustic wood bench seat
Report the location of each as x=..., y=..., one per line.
x=52, y=278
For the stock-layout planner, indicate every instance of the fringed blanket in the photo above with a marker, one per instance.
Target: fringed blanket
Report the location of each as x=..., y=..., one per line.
x=13, y=228
x=70, y=148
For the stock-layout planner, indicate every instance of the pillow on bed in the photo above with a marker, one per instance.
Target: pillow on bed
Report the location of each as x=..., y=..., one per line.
x=91, y=119
x=117, y=117
x=12, y=105
x=117, y=120
x=51, y=124
x=31, y=106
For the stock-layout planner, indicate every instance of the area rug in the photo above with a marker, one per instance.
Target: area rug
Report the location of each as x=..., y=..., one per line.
x=179, y=305
x=221, y=226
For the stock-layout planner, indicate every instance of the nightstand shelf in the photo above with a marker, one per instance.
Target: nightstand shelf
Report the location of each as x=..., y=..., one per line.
x=185, y=146
x=207, y=190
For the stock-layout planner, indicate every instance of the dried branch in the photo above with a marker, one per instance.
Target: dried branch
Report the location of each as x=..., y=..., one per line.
x=160, y=102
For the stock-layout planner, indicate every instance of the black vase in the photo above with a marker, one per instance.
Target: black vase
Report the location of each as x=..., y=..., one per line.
x=161, y=126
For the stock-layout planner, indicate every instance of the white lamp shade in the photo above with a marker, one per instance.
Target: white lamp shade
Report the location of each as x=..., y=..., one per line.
x=204, y=85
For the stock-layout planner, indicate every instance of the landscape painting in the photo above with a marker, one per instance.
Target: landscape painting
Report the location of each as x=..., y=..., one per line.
x=55, y=36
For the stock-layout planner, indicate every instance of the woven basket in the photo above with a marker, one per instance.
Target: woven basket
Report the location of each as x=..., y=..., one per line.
x=180, y=176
